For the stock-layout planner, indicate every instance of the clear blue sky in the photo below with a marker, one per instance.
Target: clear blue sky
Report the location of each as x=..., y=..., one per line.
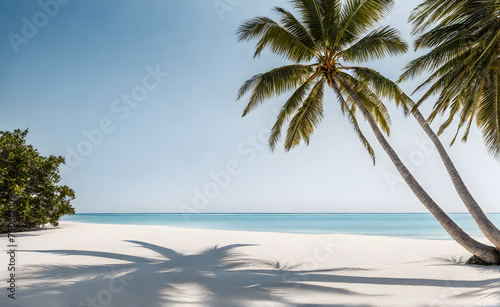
x=67, y=72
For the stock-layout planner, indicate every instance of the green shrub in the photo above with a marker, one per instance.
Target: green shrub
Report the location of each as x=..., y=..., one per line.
x=28, y=185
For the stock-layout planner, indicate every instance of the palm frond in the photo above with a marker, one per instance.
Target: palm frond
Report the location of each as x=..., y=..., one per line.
x=331, y=17
x=287, y=110
x=307, y=118
x=447, y=38
x=358, y=16
x=293, y=25
x=488, y=115
x=384, y=87
x=312, y=17
x=430, y=12
x=371, y=101
x=275, y=37
x=273, y=83
x=433, y=60
x=375, y=45
x=350, y=111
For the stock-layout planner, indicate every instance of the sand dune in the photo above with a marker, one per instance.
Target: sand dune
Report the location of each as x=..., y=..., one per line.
x=121, y=265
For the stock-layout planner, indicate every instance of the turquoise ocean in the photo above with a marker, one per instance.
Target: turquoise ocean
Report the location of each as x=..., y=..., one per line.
x=414, y=225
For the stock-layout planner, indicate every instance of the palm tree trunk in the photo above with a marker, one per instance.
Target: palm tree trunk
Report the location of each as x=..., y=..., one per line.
x=490, y=231
x=484, y=252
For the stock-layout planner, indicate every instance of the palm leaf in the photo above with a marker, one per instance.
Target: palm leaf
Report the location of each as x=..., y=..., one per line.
x=350, y=111
x=287, y=110
x=312, y=17
x=331, y=17
x=307, y=118
x=358, y=16
x=273, y=83
x=384, y=87
x=375, y=45
x=293, y=25
x=371, y=101
x=275, y=37
x=431, y=11
x=488, y=114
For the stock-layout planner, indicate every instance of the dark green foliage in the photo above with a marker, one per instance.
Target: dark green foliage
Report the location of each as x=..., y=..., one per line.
x=29, y=181
x=462, y=38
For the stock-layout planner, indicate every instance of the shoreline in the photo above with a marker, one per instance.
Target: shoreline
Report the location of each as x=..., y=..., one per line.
x=422, y=226
x=80, y=264
x=50, y=228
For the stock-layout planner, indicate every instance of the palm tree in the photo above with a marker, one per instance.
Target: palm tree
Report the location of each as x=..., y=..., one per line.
x=323, y=45
x=465, y=63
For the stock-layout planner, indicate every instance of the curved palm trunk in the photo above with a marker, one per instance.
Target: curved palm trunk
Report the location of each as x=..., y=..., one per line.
x=484, y=252
x=490, y=231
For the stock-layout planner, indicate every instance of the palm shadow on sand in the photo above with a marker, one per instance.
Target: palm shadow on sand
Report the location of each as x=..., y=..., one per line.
x=214, y=277
x=490, y=290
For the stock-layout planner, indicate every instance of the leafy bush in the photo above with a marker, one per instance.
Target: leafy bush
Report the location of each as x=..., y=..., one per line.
x=28, y=181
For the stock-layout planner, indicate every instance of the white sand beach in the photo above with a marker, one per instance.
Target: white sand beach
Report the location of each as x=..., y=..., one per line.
x=122, y=265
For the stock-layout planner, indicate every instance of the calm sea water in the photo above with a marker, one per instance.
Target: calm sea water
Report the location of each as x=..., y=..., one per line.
x=417, y=225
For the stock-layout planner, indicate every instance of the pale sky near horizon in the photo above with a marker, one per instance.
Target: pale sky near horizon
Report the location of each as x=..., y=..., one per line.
x=141, y=99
